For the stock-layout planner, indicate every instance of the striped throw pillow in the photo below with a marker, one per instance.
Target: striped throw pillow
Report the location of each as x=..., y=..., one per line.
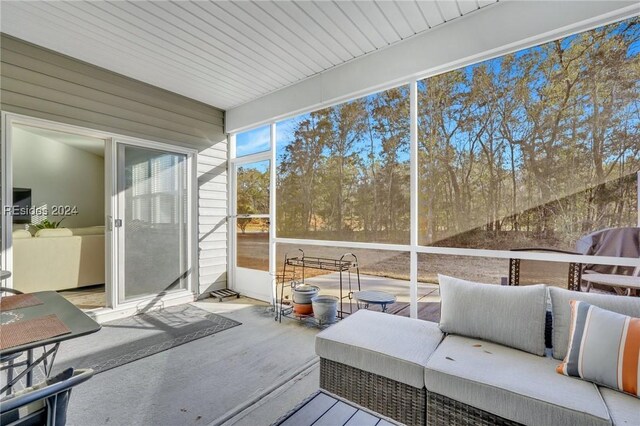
x=604, y=348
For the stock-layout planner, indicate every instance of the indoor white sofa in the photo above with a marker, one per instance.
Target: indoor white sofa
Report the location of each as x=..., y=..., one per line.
x=58, y=259
x=485, y=363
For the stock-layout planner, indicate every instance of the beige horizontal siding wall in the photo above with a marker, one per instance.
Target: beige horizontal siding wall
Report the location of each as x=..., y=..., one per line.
x=41, y=83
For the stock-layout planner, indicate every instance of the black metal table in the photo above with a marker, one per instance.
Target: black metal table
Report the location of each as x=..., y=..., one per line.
x=74, y=318
x=630, y=282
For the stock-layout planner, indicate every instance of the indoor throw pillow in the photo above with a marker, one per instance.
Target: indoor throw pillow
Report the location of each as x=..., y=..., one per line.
x=604, y=348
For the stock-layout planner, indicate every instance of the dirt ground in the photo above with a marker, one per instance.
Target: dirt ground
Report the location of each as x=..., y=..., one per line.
x=253, y=252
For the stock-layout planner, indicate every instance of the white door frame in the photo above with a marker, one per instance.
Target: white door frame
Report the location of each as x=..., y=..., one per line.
x=6, y=181
x=110, y=248
x=118, y=213
x=234, y=163
x=114, y=309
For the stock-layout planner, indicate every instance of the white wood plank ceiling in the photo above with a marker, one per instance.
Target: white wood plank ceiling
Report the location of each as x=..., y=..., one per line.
x=224, y=53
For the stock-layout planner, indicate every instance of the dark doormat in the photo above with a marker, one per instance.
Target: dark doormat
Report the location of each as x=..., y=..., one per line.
x=126, y=340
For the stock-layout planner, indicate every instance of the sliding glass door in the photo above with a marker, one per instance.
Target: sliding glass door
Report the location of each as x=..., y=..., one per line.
x=152, y=224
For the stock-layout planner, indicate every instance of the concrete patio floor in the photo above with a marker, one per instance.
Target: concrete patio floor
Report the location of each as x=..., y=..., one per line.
x=428, y=294
x=251, y=374
x=247, y=375
x=330, y=284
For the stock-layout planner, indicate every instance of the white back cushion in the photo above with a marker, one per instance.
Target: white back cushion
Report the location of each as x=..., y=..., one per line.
x=54, y=233
x=89, y=230
x=510, y=315
x=561, y=310
x=20, y=234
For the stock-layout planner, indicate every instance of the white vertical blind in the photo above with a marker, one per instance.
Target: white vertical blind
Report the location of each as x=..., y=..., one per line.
x=158, y=192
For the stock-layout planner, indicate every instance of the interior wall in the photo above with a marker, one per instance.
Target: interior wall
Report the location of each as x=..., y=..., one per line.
x=59, y=175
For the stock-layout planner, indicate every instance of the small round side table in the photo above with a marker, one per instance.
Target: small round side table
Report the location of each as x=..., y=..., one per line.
x=374, y=297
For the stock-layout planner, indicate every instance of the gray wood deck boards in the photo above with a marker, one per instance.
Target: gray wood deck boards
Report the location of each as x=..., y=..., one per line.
x=322, y=409
x=428, y=311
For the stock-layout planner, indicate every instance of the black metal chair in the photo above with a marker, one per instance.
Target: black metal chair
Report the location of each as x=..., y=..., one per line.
x=7, y=362
x=561, y=274
x=42, y=404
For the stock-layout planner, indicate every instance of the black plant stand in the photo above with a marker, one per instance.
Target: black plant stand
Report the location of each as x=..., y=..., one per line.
x=347, y=263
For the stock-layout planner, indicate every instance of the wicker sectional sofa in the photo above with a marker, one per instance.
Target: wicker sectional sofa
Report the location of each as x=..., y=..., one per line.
x=412, y=371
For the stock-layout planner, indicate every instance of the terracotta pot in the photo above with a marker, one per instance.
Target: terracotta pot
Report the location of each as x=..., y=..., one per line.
x=302, y=308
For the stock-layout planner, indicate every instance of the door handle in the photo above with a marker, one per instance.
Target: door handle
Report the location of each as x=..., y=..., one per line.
x=113, y=223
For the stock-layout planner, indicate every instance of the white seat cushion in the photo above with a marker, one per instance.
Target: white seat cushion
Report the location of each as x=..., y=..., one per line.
x=624, y=409
x=387, y=345
x=512, y=384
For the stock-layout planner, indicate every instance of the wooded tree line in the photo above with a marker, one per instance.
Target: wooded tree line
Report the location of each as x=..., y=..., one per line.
x=252, y=195
x=542, y=144
x=345, y=172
